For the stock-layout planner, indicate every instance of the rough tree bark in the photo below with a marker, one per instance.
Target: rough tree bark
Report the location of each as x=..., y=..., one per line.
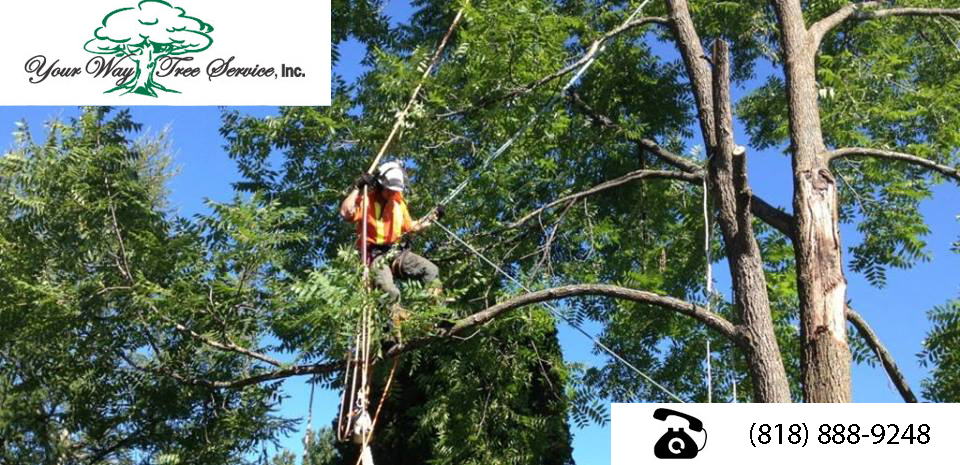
x=731, y=192
x=728, y=187
x=820, y=281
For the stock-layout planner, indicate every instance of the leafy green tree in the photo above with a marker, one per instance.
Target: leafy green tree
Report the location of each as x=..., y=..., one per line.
x=113, y=307
x=617, y=161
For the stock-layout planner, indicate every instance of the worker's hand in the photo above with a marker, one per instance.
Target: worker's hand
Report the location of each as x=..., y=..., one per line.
x=365, y=179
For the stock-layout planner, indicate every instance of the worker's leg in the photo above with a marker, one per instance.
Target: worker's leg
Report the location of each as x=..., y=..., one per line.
x=417, y=267
x=383, y=278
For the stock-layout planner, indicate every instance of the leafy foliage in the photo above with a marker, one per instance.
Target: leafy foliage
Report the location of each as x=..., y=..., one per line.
x=941, y=351
x=95, y=277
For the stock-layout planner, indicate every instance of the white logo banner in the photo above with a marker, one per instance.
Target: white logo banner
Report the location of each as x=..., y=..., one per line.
x=165, y=52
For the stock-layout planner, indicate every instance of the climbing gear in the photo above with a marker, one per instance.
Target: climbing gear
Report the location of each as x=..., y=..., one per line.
x=391, y=176
x=362, y=426
x=708, y=280
x=359, y=357
x=389, y=252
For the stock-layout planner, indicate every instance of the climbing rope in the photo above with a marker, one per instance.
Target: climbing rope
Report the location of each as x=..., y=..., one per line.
x=708, y=289
x=413, y=96
x=560, y=314
x=364, y=448
x=354, y=408
x=308, y=437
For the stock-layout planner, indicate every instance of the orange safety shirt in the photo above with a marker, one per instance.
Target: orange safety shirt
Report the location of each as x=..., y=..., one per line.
x=387, y=218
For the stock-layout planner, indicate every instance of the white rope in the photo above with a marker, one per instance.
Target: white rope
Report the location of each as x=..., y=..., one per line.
x=308, y=437
x=591, y=55
x=709, y=281
x=560, y=315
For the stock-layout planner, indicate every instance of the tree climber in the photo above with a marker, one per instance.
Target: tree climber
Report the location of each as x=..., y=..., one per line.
x=388, y=220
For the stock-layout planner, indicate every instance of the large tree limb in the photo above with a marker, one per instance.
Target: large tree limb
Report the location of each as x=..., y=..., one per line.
x=889, y=364
x=898, y=156
x=490, y=99
x=296, y=370
x=710, y=319
x=865, y=11
x=695, y=61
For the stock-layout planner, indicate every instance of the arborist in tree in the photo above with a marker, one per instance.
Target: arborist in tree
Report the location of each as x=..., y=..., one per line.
x=388, y=220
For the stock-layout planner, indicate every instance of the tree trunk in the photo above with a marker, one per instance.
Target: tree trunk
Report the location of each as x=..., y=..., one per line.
x=142, y=82
x=731, y=192
x=728, y=186
x=820, y=281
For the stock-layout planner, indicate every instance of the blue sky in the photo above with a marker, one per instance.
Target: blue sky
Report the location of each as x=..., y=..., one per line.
x=897, y=312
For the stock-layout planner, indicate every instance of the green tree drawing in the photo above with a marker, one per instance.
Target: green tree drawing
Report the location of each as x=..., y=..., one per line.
x=151, y=31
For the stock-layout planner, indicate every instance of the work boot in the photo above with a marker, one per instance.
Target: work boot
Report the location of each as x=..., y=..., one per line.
x=437, y=293
x=398, y=315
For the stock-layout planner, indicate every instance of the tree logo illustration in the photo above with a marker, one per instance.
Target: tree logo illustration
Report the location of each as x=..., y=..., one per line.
x=147, y=33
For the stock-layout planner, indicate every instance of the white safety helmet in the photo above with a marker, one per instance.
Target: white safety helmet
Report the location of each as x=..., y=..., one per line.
x=391, y=176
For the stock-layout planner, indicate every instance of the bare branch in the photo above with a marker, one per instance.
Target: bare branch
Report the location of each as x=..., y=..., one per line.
x=296, y=370
x=631, y=176
x=228, y=347
x=670, y=157
x=889, y=364
x=891, y=155
x=123, y=264
x=907, y=11
x=773, y=216
x=865, y=10
x=488, y=100
x=819, y=29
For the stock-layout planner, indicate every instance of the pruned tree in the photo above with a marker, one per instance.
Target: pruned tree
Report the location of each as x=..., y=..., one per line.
x=146, y=34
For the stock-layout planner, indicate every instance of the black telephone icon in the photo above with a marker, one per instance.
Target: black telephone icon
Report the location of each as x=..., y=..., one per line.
x=675, y=443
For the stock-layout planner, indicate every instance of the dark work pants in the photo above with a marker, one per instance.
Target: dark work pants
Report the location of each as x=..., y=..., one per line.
x=407, y=265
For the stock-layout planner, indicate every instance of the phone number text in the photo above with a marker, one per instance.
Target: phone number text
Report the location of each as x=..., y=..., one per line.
x=798, y=434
